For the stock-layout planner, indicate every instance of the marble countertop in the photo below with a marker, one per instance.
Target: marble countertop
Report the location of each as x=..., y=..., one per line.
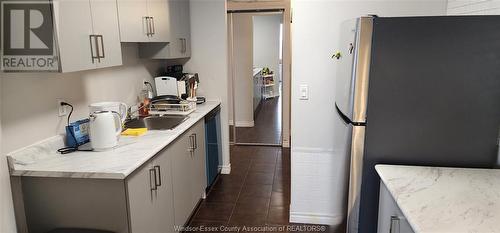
x=438, y=199
x=42, y=159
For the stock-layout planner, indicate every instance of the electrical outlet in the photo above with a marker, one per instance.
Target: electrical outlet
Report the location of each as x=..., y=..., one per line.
x=61, y=109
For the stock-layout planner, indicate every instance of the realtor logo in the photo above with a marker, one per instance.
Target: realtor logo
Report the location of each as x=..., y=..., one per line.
x=28, y=36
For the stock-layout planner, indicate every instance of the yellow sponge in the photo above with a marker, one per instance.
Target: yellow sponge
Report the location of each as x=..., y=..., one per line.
x=134, y=132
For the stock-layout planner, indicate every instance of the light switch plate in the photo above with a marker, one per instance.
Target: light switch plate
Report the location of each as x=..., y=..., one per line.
x=304, y=92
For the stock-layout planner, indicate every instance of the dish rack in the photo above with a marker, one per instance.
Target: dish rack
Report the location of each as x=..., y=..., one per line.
x=182, y=108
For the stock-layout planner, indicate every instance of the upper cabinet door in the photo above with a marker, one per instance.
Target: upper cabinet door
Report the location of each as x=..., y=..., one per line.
x=184, y=27
x=105, y=24
x=180, y=36
x=74, y=27
x=132, y=15
x=159, y=21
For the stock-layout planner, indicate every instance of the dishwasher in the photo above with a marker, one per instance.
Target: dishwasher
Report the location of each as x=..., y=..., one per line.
x=213, y=145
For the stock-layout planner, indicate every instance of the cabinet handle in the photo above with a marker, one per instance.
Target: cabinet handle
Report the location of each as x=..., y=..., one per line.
x=183, y=49
x=101, y=39
x=153, y=31
x=146, y=20
x=152, y=175
x=182, y=45
x=97, y=48
x=395, y=227
x=191, y=143
x=185, y=45
x=195, y=141
x=157, y=182
x=92, y=48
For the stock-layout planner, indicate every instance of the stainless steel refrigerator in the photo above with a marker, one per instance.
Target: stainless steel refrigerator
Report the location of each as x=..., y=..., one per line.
x=415, y=91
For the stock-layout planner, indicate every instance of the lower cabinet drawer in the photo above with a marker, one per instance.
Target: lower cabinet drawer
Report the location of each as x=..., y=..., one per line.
x=390, y=217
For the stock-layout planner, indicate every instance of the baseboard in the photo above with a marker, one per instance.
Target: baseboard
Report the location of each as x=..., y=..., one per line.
x=314, y=218
x=243, y=123
x=225, y=169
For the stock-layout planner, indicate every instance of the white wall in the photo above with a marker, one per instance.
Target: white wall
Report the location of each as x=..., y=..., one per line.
x=266, y=40
x=7, y=220
x=473, y=7
x=29, y=107
x=209, y=59
x=318, y=170
x=242, y=62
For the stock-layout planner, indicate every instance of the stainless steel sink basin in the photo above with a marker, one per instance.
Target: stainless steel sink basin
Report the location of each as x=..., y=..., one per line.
x=156, y=122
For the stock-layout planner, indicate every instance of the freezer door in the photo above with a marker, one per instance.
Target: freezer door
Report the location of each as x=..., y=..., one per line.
x=353, y=69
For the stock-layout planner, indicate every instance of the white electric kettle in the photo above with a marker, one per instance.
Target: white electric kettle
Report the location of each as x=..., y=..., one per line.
x=120, y=108
x=105, y=129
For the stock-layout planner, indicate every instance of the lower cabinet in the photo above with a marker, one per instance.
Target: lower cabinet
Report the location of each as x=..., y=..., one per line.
x=164, y=192
x=150, y=196
x=390, y=217
x=188, y=172
x=155, y=198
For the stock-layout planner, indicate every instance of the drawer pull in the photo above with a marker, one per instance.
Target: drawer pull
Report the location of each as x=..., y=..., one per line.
x=157, y=181
x=395, y=226
x=152, y=179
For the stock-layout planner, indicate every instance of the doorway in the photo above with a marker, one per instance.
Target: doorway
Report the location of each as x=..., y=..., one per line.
x=256, y=77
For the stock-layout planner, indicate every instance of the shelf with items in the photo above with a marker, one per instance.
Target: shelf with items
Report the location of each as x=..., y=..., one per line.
x=268, y=84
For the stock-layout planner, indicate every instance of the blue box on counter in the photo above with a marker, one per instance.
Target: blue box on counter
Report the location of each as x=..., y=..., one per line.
x=80, y=130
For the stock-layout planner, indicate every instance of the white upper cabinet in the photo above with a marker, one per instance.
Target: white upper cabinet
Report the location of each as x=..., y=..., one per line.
x=159, y=19
x=134, y=21
x=179, y=38
x=180, y=42
x=105, y=24
x=143, y=20
x=75, y=51
x=87, y=34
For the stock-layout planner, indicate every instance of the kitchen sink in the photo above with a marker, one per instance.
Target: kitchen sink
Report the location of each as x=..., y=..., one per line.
x=156, y=122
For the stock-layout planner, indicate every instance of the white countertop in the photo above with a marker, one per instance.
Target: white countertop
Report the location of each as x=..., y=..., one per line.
x=42, y=159
x=256, y=71
x=437, y=199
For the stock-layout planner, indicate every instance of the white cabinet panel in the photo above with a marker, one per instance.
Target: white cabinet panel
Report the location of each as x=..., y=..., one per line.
x=159, y=11
x=199, y=182
x=86, y=30
x=105, y=23
x=132, y=19
x=142, y=200
x=150, y=196
x=181, y=176
x=164, y=218
x=73, y=28
x=180, y=39
x=179, y=34
x=144, y=20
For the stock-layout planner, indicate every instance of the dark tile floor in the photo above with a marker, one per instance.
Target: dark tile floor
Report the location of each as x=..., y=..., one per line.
x=267, y=127
x=255, y=194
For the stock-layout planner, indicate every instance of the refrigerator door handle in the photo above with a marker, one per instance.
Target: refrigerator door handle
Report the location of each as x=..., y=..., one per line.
x=346, y=119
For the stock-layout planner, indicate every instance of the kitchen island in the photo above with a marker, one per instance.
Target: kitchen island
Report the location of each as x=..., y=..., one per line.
x=149, y=183
x=439, y=199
